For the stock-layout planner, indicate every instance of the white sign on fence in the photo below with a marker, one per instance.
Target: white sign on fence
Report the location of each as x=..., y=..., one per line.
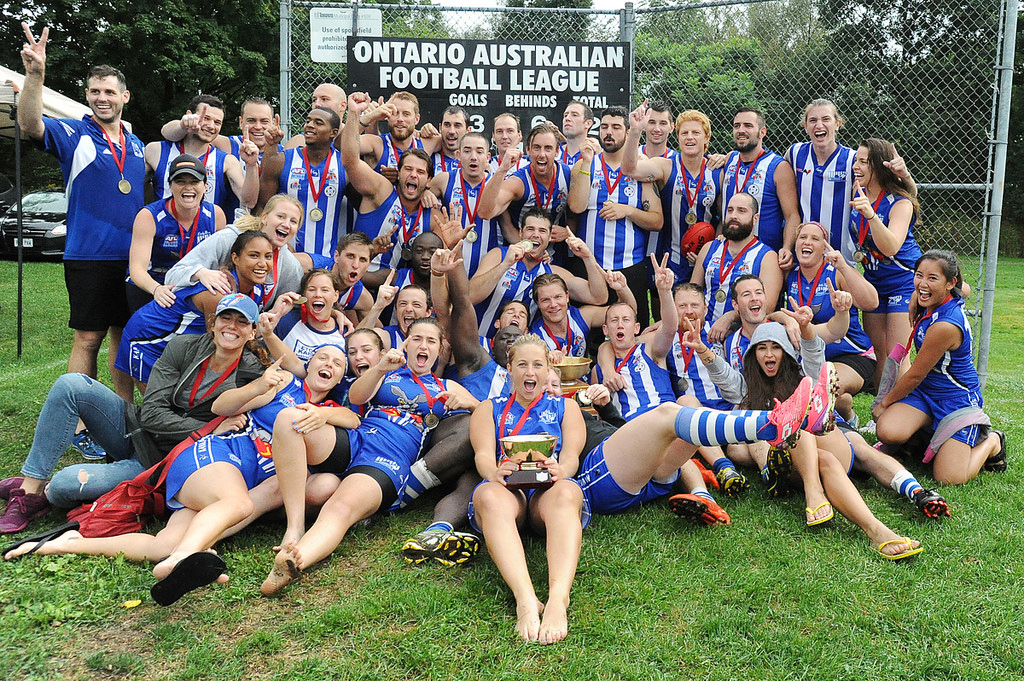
x=329, y=30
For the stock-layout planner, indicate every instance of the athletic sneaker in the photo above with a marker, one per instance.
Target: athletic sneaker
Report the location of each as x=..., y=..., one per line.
x=731, y=481
x=708, y=476
x=777, y=471
x=21, y=510
x=8, y=484
x=821, y=414
x=423, y=546
x=932, y=504
x=87, y=447
x=457, y=548
x=788, y=416
x=698, y=509
x=868, y=428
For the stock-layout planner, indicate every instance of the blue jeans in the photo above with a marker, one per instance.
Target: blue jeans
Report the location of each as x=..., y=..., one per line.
x=76, y=396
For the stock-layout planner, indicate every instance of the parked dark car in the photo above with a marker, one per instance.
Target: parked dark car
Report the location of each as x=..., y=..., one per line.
x=44, y=225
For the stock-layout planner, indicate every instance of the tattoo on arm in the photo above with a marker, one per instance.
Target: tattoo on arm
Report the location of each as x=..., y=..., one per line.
x=646, y=205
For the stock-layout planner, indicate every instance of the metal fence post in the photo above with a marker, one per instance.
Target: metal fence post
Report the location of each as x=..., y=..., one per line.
x=995, y=209
x=285, y=64
x=627, y=34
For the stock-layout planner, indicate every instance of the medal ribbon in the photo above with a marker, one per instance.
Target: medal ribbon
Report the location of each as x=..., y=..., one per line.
x=536, y=189
x=119, y=162
x=313, y=190
x=209, y=148
x=863, y=226
x=607, y=181
x=568, y=335
x=739, y=256
x=692, y=203
x=750, y=171
x=407, y=232
x=925, y=316
x=431, y=401
x=522, y=419
x=664, y=154
x=687, y=352
x=814, y=287
x=625, y=360
x=471, y=214
x=258, y=295
x=181, y=229
x=199, y=379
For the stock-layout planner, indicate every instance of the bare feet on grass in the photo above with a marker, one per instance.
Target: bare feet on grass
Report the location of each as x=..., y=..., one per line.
x=286, y=570
x=528, y=619
x=555, y=625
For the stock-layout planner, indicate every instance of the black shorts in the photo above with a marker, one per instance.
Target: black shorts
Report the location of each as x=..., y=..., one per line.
x=96, y=293
x=862, y=366
x=340, y=457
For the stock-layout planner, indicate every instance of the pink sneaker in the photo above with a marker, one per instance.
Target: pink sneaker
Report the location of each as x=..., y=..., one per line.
x=8, y=484
x=821, y=414
x=788, y=416
x=21, y=510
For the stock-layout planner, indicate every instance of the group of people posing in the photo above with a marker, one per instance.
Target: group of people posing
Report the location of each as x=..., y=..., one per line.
x=370, y=315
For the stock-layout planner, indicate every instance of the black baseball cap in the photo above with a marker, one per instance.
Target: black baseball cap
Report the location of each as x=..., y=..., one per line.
x=186, y=164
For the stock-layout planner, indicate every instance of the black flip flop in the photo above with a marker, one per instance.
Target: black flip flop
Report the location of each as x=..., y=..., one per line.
x=42, y=538
x=192, y=572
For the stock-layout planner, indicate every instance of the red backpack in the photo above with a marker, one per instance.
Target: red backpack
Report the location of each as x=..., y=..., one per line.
x=129, y=506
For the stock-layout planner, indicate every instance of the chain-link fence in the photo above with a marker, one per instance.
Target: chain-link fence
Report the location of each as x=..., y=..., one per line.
x=921, y=73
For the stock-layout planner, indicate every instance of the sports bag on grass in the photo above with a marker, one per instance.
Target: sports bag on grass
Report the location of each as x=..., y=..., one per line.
x=129, y=506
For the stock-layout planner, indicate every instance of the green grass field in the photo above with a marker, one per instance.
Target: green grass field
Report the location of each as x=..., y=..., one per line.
x=764, y=598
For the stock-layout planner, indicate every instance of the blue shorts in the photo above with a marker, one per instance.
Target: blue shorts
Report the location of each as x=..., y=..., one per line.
x=584, y=515
x=237, y=449
x=370, y=447
x=604, y=495
x=940, y=409
x=894, y=291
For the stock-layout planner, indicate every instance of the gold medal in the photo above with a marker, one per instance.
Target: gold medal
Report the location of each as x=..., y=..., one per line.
x=471, y=236
x=720, y=295
x=860, y=255
x=316, y=215
x=691, y=218
x=431, y=420
x=124, y=186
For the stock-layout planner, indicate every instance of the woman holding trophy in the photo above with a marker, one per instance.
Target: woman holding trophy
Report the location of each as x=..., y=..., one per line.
x=527, y=449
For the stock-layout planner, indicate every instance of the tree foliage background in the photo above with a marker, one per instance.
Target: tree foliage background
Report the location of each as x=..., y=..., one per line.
x=716, y=60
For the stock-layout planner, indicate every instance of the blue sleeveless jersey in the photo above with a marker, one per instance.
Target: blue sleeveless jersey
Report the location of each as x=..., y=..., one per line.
x=568, y=159
x=390, y=154
x=750, y=264
x=262, y=418
x=647, y=384
x=690, y=376
x=383, y=219
x=536, y=193
x=619, y=244
x=316, y=236
x=675, y=206
x=100, y=217
x=401, y=400
x=488, y=232
x=759, y=179
x=575, y=345
x=544, y=419
x=147, y=332
x=218, y=190
x=878, y=267
x=954, y=374
x=348, y=299
x=515, y=284
x=168, y=244
x=444, y=164
x=735, y=348
x=825, y=190
x=855, y=341
x=490, y=380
